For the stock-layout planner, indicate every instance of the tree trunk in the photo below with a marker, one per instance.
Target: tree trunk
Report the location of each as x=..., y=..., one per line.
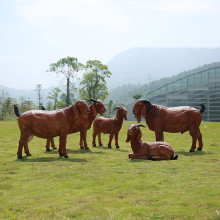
x=68, y=92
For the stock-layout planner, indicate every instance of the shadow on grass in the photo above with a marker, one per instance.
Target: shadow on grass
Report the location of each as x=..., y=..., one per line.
x=196, y=153
x=49, y=159
x=80, y=151
x=113, y=148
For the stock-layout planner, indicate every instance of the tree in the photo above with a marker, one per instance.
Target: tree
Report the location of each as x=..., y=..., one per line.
x=137, y=96
x=93, y=82
x=38, y=89
x=54, y=95
x=49, y=106
x=68, y=67
x=110, y=104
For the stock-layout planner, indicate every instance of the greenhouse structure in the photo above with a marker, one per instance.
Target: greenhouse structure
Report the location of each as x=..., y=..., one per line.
x=192, y=90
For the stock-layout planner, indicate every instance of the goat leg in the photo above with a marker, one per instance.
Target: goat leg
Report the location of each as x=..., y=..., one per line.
x=200, y=141
x=110, y=140
x=52, y=143
x=48, y=144
x=81, y=140
x=62, y=146
x=99, y=138
x=116, y=140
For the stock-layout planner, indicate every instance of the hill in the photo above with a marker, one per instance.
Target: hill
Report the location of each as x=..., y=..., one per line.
x=143, y=65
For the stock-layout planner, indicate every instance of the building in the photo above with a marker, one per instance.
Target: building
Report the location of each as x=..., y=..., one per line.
x=192, y=90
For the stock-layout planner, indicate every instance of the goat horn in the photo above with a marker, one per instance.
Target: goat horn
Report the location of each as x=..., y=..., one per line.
x=140, y=125
x=145, y=101
x=93, y=100
x=117, y=107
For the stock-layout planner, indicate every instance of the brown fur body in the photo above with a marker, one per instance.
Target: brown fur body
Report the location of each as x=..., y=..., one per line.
x=110, y=126
x=148, y=150
x=49, y=124
x=173, y=120
x=83, y=124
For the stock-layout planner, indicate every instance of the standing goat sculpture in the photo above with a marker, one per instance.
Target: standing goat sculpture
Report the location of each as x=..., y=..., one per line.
x=148, y=150
x=83, y=124
x=177, y=119
x=49, y=124
x=110, y=126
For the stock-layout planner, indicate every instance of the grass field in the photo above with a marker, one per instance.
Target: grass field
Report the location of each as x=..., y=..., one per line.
x=103, y=183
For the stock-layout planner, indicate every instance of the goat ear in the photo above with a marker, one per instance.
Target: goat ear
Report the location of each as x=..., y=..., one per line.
x=143, y=111
x=76, y=111
x=139, y=135
x=128, y=138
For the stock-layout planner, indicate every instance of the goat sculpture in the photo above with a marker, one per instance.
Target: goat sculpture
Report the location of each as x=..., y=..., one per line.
x=148, y=150
x=173, y=120
x=49, y=124
x=110, y=126
x=83, y=124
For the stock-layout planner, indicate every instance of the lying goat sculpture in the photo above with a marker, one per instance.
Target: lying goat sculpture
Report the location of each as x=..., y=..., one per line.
x=49, y=124
x=148, y=150
x=110, y=126
x=173, y=120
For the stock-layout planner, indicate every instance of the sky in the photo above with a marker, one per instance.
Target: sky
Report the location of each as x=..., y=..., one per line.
x=36, y=33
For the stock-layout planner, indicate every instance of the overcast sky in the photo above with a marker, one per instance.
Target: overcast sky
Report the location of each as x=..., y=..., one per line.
x=35, y=33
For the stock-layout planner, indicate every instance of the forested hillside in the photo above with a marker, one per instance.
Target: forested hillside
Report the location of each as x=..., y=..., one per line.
x=123, y=94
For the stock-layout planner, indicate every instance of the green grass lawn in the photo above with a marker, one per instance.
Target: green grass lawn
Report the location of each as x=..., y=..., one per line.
x=103, y=183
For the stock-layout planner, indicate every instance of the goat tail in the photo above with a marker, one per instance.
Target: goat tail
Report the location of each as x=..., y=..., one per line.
x=17, y=113
x=202, y=109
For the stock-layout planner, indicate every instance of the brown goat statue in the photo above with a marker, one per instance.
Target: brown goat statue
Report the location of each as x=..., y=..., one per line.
x=177, y=119
x=110, y=126
x=83, y=124
x=148, y=150
x=49, y=124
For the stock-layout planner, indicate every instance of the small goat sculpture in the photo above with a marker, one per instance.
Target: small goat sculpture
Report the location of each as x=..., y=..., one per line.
x=148, y=150
x=49, y=124
x=110, y=126
x=173, y=120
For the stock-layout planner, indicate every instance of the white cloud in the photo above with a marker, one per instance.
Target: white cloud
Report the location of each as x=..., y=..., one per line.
x=178, y=5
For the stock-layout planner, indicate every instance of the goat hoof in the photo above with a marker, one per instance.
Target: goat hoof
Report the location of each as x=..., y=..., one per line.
x=81, y=147
x=117, y=147
x=87, y=148
x=175, y=157
x=153, y=158
x=20, y=157
x=48, y=149
x=61, y=154
x=109, y=147
x=54, y=148
x=94, y=145
x=199, y=149
x=192, y=150
x=100, y=145
x=66, y=156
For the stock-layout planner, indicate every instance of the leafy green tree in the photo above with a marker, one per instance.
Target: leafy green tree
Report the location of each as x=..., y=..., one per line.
x=68, y=67
x=137, y=96
x=61, y=104
x=54, y=95
x=49, y=105
x=93, y=81
x=25, y=105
